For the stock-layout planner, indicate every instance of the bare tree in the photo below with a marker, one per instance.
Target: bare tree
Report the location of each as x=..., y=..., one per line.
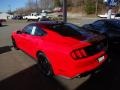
x=31, y=4
x=75, y=5
x=46, y=4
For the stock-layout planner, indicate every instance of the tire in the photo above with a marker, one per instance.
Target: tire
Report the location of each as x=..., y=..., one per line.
x=44, y=65
x=14, y=44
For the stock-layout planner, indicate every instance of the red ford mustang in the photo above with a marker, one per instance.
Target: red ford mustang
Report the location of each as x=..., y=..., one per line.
x=62, y=49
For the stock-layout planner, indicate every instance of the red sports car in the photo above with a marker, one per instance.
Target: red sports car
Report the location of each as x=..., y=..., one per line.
x=62, y=49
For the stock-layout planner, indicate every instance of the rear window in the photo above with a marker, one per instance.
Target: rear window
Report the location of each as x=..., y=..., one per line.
x=66, y=29
x=99, y=24
x=115, y=24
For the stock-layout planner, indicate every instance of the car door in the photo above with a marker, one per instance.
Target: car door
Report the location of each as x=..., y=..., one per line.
x=24, y=37
x=33, y=40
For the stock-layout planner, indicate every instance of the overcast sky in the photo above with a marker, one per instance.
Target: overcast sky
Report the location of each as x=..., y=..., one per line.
x=5, y=5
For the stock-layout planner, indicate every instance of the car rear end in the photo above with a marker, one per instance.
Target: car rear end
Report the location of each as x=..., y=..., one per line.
x=86, y=59
x=75, y=53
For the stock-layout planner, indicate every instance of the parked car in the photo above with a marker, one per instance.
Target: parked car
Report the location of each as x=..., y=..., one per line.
x=37, y=17
x=1, y=21
x=45, y=19
x=61, y=49
x=18, y=17
x=34, y=17
x=109, y=27
x=113, y=16
x=106, y=15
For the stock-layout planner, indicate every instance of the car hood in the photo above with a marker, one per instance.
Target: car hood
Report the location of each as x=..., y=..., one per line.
x=84, y=39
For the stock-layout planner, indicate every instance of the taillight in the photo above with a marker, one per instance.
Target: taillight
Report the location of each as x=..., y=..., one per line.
x=78, y=54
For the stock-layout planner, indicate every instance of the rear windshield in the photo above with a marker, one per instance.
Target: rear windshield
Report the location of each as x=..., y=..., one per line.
x=99, y=24
x=115, y=24
x=66, y=29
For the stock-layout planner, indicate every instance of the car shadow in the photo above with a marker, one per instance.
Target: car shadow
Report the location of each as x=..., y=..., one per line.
x=108, y=79
x=5, y=49
x=30, y=79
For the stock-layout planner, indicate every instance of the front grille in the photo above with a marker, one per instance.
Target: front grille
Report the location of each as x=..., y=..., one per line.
x=96, y=48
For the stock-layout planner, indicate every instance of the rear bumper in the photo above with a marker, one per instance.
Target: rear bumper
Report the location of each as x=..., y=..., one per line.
x=84, y=66
x=102, y=67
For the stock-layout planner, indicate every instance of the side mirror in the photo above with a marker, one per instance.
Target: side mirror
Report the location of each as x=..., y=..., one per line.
x=19, y=32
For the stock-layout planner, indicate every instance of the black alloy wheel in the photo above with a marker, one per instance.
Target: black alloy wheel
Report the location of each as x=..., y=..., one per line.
x=44, y=65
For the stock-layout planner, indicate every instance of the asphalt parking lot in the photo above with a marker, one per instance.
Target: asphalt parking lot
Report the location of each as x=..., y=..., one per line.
x=18, y=71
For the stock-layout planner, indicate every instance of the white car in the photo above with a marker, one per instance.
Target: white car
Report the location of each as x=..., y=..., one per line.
x=106, y=15
x=113, y=16
x=35, y=17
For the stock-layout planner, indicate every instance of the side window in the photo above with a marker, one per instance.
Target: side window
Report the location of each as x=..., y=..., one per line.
x=28, y=29
x=38, y=31
x=33, y=30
